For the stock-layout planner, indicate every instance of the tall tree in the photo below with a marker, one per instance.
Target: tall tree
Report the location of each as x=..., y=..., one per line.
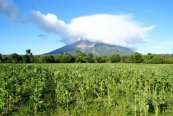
x=28, y=52
x=67, y=58
x=125, y=59
x=136, y=58
x=29, y=56
x=115, y=58
x=148, y=58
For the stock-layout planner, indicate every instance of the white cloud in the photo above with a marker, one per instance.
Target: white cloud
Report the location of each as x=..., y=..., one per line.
x=119, y=29
x=49, y=23
x=8, y=8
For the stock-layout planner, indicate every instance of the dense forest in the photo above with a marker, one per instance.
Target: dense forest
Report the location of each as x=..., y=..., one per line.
x=81, y=57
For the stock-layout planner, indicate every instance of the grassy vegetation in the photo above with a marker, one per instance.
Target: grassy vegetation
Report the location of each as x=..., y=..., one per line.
x=86, y=89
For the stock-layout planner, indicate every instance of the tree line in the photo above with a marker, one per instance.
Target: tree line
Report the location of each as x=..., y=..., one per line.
x=81, y=57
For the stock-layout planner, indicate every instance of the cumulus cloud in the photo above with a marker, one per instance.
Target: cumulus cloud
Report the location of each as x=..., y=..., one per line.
x=8, y=8
x=119, y=29
x=49, y=23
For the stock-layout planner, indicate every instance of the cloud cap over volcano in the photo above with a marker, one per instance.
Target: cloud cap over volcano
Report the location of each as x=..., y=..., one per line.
x=119, y=29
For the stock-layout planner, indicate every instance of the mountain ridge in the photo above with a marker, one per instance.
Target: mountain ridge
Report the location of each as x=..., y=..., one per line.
x=96, y=48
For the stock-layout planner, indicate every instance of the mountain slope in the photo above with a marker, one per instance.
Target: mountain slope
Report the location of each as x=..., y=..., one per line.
x=96, y=48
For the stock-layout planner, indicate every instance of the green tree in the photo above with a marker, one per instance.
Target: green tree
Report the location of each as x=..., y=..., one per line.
x=57, y=58
x=51, y=59
x=167, y=59
x=157, y=59
x=125, y=59
x=36, y=58
x=90, y=58
x=148, y=58
x=79, y=53
x=15, y=58
x=26, y=59
x=43, y=59
x=6, y=59
x=80, y=57
x=136, y=58
x=0, y=57
x=28, y=52
x=66, y=58
x=100, y=59
x=115, y=58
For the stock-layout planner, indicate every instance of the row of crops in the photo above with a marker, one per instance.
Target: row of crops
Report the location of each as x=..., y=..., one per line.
x=86, y=89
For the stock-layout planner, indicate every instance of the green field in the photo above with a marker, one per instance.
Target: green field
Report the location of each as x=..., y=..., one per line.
x=86, y=89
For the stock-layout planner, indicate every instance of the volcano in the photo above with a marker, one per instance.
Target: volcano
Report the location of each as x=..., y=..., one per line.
x=96, y=48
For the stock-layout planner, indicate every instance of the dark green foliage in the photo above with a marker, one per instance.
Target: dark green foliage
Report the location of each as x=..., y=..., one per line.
x=15, y=58
x=28, y=57
x=51, y=59
x=115, y=58
x=81, y=57
x=43, y=59
x=28, y=52
x=0, y=58
x=157, y=59
x=56, y=58
x=66, y=58
x=90, y=58
x=125, y=59
x=167, y=59
x=6, y=59
x=99, y=59
x=136, y=58
x=148, y=58
x=25, y=59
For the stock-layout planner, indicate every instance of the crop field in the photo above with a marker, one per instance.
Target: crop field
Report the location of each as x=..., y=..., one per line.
x=86, y=89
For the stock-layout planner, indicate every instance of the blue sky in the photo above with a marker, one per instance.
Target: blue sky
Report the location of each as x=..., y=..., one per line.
x=18, y=31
